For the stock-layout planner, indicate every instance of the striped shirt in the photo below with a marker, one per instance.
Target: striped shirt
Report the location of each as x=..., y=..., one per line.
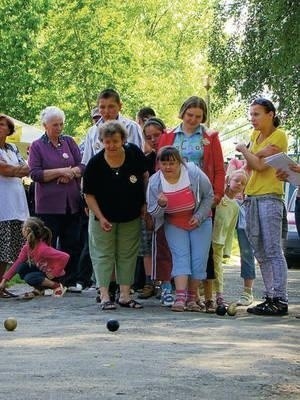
x=181, y=201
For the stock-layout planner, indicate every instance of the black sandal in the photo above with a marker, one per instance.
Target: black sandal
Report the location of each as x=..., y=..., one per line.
x=131, y=304
x=108, y=305
x=5, y=294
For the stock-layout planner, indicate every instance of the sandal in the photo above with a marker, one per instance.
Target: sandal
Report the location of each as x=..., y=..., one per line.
x=131, y=304
x=178, y=306
x=108, y=305
x=194, y=306
x=5, y=294
x=32, y=295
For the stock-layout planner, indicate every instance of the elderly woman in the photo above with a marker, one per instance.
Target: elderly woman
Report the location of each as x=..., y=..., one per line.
x=55, y=166
x=113, y=185
x=13, y=203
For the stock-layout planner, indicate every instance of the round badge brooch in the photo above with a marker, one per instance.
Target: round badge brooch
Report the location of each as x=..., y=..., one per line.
x=133, y=179
x=65, y=156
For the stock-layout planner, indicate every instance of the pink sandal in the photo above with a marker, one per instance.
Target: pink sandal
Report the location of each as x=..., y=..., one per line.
x=178, y=306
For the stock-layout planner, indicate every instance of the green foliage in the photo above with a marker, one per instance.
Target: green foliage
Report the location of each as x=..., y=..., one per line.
x=21, y=20
x=260, y=53
x=63, y=52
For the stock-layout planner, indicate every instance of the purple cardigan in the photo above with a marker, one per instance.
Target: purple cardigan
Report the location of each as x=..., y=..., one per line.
x=52, y=197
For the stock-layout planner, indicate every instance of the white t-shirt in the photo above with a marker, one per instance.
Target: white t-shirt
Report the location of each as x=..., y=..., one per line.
x=92, y=143
x=13, y=202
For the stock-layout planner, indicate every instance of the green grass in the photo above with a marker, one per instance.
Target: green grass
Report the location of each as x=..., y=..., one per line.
x=15, y=280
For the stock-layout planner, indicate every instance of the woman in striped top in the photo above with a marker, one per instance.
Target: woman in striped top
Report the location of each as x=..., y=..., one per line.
x=179, y=197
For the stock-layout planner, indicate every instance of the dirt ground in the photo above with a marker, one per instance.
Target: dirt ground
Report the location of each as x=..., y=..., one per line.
x=62, y=350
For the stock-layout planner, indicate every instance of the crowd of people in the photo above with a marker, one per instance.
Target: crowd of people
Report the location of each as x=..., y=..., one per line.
x=140, y=191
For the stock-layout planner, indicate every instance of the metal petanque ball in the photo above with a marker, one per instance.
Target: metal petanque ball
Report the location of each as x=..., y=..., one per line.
x=112, y=325
x=221, y=310
x=10, y=324
x=231, y=310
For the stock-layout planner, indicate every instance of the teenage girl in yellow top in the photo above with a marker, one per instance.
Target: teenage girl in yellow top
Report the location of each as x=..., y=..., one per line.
x=264, y=207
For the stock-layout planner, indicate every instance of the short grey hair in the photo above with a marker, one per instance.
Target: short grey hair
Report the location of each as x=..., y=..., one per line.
x=51, y=112
x=110, y=128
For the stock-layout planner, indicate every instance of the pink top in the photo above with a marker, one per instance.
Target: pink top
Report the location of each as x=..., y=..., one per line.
x=44, y=257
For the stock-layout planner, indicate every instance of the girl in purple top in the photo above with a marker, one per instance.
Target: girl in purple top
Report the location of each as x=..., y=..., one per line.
x=55, y=166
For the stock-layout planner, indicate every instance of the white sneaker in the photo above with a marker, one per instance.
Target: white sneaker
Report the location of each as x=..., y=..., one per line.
x=166, y=299
x=90, y=289
x=75, y=289
x=245, y=299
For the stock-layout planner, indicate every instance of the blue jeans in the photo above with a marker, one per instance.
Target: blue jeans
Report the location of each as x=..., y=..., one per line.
x=246, y=254
x=189, y=249
x=31, y=274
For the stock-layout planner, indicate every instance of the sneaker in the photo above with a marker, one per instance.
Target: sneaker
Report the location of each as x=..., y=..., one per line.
x=75, y=289
x=90, y=289
x=245, y=299
x=59, y=291
x=210, y=307
x=166, y=299
x=148, y=291
x=275, y=306
x=282, y=306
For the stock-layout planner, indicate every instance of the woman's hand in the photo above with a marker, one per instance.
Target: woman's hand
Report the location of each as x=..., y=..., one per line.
x=67, y=174
x=76, y=172
x=283, y=175
x=162, y=200
x=63, y=180
x=105, y=224
x=194, y=222
x=241, y=147
x=295, y=167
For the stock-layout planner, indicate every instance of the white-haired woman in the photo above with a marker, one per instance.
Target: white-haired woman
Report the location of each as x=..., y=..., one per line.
x=55, y=166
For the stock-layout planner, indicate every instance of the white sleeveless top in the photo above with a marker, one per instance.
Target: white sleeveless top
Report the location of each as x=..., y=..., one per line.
x=13, y=202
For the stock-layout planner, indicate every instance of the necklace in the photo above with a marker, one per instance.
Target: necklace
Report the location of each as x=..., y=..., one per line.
x=115, y=170
x=114, y=164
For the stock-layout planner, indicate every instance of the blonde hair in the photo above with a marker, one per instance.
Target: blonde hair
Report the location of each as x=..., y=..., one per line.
x=36, y=231
x=240, y=171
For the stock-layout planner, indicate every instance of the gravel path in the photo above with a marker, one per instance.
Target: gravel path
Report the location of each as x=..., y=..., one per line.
x=62, y=350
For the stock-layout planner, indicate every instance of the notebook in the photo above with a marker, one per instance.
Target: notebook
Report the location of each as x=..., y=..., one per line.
x=282, y=161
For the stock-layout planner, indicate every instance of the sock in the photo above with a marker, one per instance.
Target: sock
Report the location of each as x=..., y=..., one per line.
x=191, y=295
x=248, y=290
x=181, y=295
x=148, y=280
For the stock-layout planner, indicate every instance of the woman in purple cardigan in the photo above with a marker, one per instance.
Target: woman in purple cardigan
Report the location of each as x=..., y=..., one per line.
x=55, y=166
